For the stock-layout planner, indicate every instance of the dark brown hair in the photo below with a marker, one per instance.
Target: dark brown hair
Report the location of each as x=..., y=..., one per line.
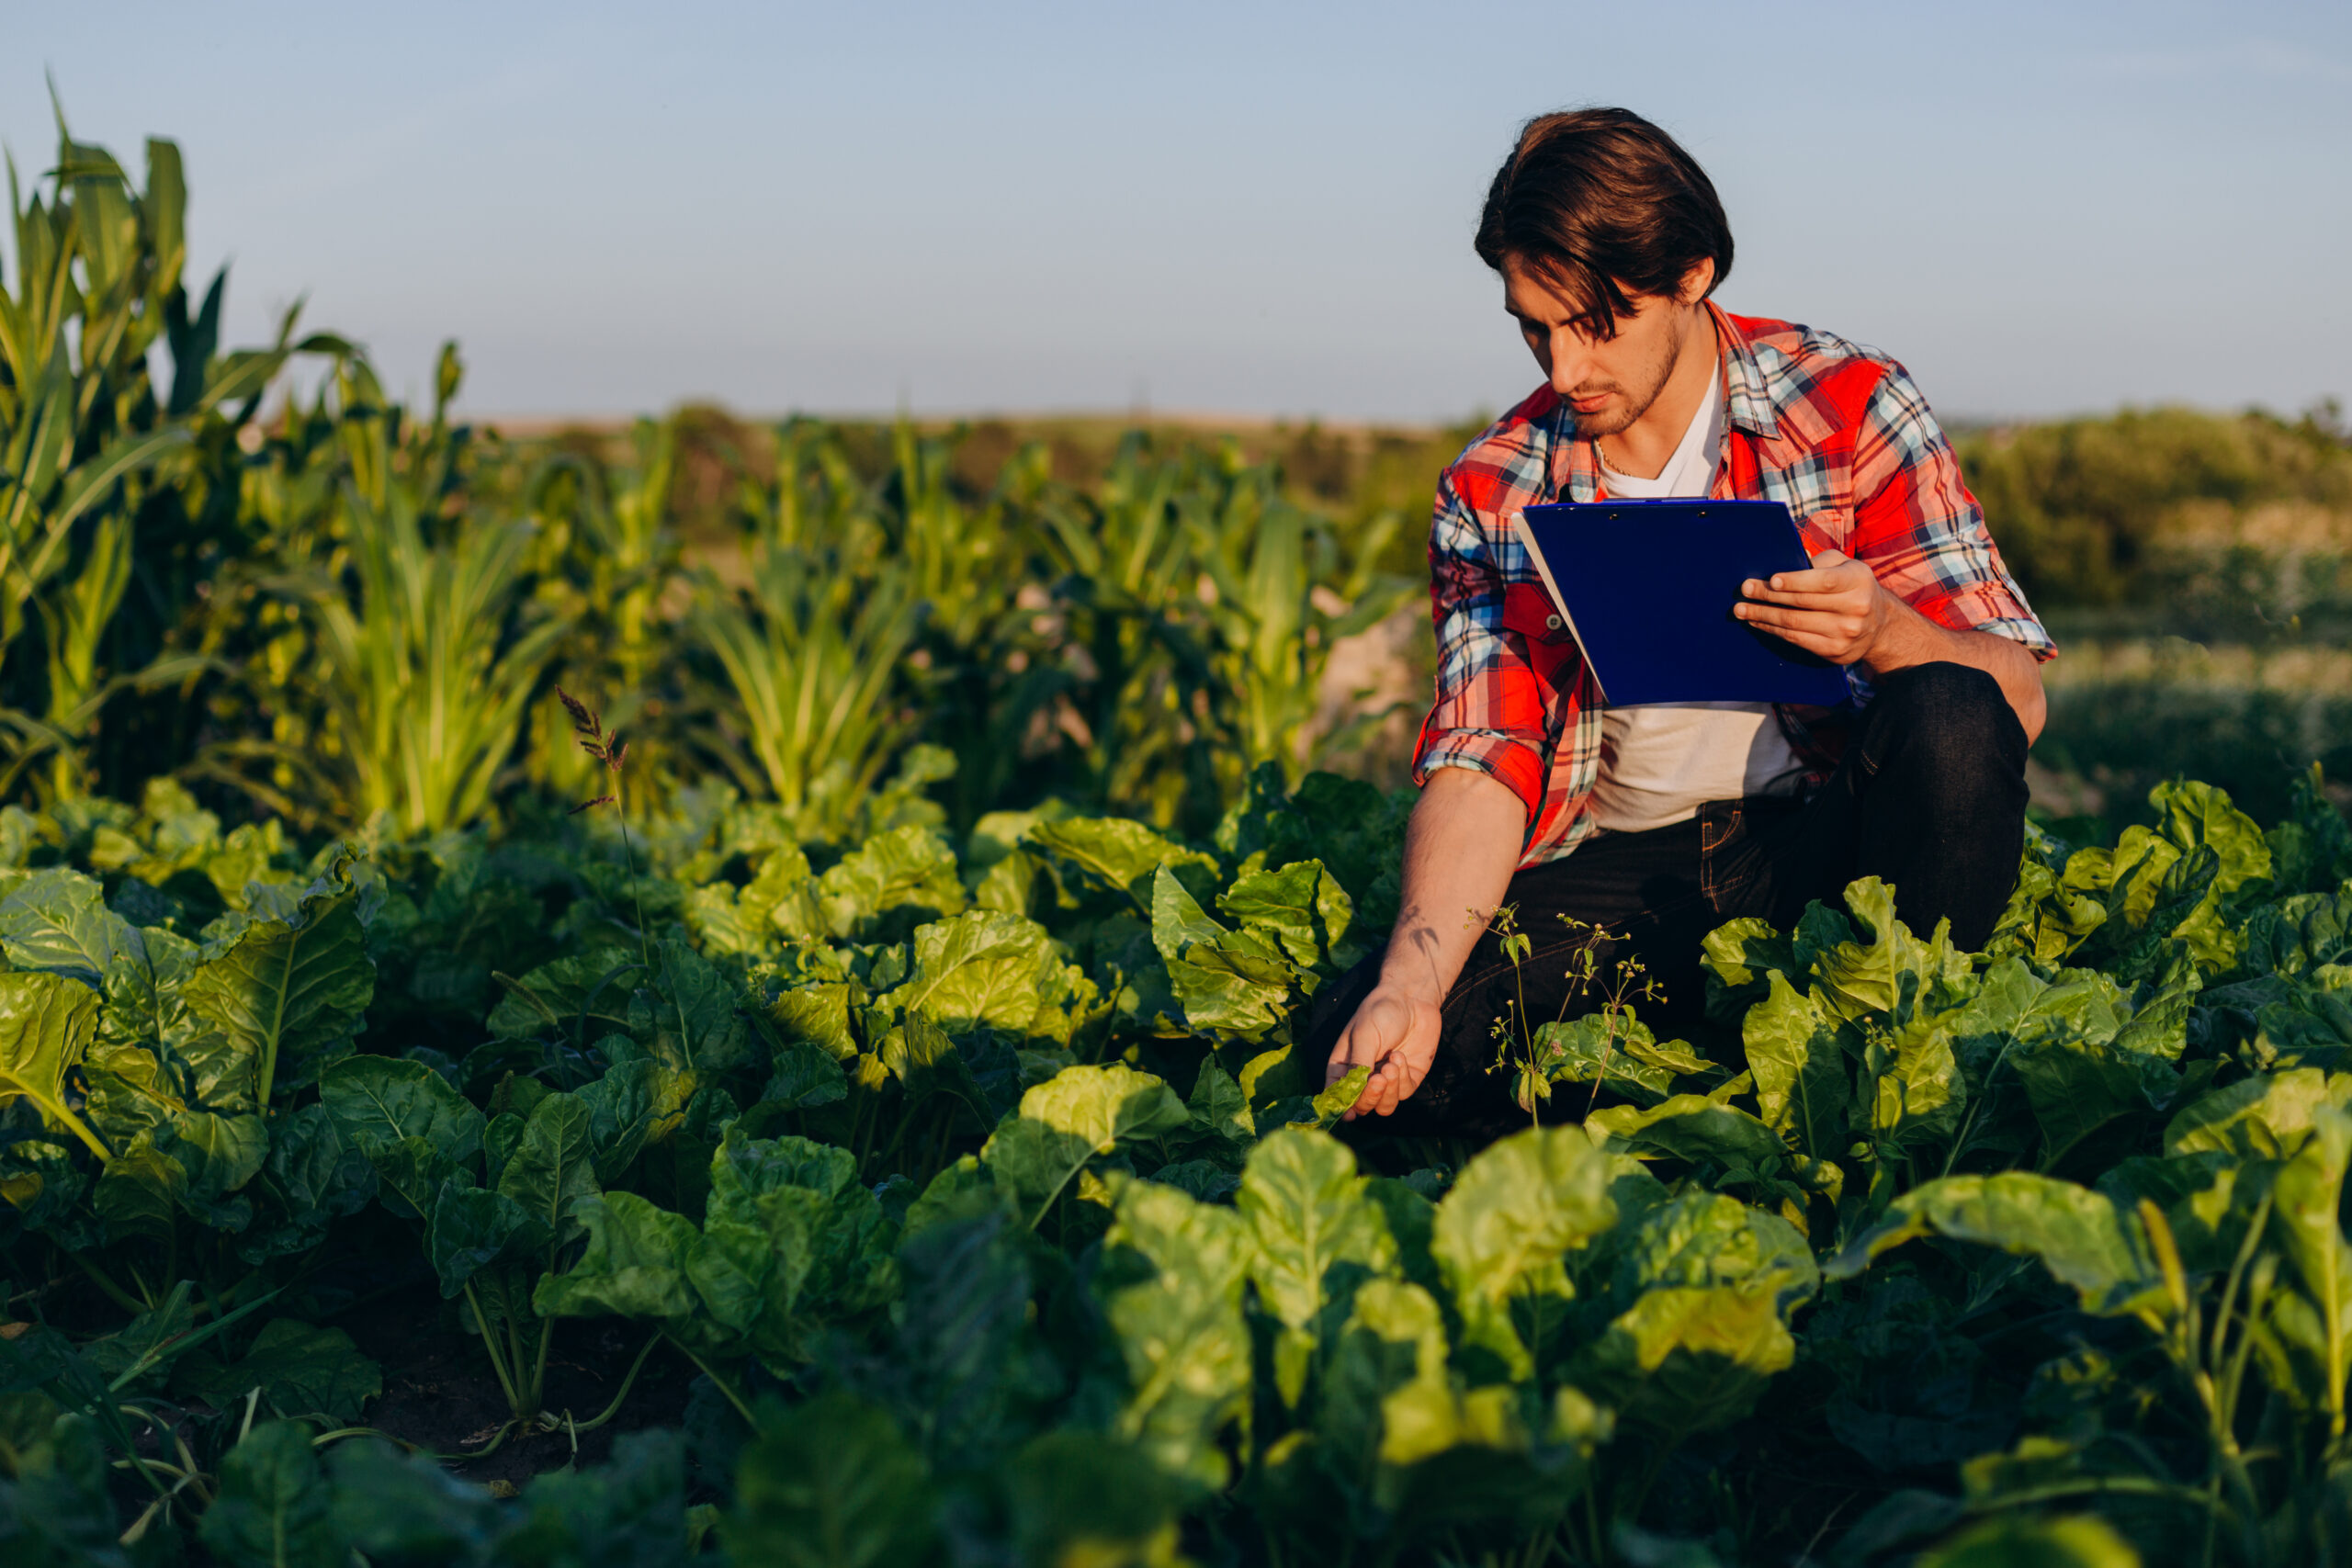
x=1604, y=205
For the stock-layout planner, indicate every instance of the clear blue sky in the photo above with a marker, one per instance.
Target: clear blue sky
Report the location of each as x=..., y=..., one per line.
x=1258, y=207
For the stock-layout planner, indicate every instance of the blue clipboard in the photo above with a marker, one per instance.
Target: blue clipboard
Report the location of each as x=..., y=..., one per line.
x=1647, y=588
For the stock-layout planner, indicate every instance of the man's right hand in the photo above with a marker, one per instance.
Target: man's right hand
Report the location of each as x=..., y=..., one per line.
x=1460, y=850
x=1395, y=1033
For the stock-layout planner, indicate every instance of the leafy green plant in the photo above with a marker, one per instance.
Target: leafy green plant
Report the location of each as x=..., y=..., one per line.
x=1278, y=598
x=87, y=440
x=810, y=653
x=427, y=681
x=959, y=1137
x=607, y=554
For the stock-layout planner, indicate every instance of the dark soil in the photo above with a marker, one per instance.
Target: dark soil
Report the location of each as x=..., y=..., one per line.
x=440, y=1393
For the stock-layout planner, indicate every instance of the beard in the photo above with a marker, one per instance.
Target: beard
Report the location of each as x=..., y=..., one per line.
x=1632, y=398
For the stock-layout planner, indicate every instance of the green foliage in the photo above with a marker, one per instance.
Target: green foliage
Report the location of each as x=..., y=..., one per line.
x=425, y=672
x=970, y=826
x=887, y=1152
x=2083, y=507
x=834, y=1486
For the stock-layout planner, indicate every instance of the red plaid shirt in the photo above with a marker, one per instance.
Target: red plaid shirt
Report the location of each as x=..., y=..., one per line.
x=1835, y=430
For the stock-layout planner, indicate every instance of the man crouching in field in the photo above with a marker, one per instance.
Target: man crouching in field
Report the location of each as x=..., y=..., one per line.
x=1663, y=822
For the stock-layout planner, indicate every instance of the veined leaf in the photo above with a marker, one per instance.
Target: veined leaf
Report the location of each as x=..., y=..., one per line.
x=1116, y=853
x=689, y=1013
x=1078, y=1113
x=301, y=1370
x=1699, y=1128
x=1740, y=957
x=815, y=1015
x=310, y=1178
x=274, y=1510
x=1618, y=1051
x=833, y=1485
x=982, y=967
x=1179, y=1330
x=1318, y=1236
x=583, y=998
x=2077, y=1083
x=1895, y=974
x=1234, y=982
x=551, y=1169
x=138, y=1195
x=1499, y=1234
x=1704, y=1239
x=1219, y=1107
x=288, y=996
x=143, y=984
x=2209, y=1198
x=2309, y=1197
x=2266, y=1116
x=805, y=1078
x=635, y=1265
x=47, y=1021
x=220, y=1155
x=414, y=1130
x=2080, y=1236
x=2296, y=935
x=793, y=1237
x=1684, y=1359
x=1178, y=921
x=57, y=919
x=469, y=1229
x=1798, y=1056
x=378, y=1101
x=1299, y=907
x=907, y=873
x=1917, y=1092
x=634, y=1104
x=1695, y=1291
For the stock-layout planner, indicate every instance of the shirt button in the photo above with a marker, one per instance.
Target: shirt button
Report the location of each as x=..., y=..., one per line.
x=1551, y=622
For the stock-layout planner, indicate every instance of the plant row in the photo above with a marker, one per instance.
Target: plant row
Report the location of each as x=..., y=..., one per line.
x=337, y=611
x=979, y=1190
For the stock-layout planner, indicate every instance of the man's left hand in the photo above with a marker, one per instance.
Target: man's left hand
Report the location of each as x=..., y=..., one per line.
x=1837, y=609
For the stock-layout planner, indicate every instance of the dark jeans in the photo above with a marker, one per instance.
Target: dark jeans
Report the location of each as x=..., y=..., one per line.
x=1930, y=796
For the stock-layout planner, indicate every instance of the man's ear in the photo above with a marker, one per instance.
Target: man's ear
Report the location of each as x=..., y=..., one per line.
x=1698, y=280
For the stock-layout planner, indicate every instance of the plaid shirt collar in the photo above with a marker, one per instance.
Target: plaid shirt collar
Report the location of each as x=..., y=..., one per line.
x=1749, y=384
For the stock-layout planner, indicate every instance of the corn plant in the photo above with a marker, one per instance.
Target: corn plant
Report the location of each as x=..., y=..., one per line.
x=1278, y=596
x=84, y=432
x=427, y=676
x=810, y=649
x=986, y=671
x=1140, y=672
x=811, y=652
x=400, y=642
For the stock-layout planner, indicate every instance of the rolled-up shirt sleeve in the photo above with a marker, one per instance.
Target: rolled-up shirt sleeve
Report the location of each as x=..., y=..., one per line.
x=1921, y=531
x=1489, y=714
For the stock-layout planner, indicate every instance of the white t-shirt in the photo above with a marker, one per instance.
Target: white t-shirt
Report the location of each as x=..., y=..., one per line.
x=1660, y=763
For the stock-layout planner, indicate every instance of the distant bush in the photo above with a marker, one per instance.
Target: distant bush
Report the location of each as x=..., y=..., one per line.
x=2082, y=507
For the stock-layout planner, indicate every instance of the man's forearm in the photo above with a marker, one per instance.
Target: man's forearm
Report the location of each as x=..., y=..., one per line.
x=1909, y=639
x=1461, y=847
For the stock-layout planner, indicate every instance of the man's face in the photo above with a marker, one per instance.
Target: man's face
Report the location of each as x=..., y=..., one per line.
x=1610, y=382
